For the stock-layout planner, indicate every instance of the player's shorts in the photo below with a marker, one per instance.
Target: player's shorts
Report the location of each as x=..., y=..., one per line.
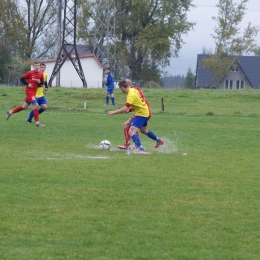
x=139, y=121
x=110, y=91
x=30, y=100
x=41, y=100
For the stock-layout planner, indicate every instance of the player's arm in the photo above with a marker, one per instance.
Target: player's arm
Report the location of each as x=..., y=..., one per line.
x=40, y=82
x=45, y=81
x=119, y=111
x=46, y=86
x=23, y=80
x=130, y=109
x=24, y=77
x=108, y=80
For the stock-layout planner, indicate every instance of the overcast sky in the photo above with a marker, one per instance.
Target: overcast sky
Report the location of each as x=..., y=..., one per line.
x=201, y=35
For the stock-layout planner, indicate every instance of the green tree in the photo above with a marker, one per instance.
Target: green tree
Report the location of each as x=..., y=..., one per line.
x=150, y=72
x=229, y=42
x=5, y=60
x=189, y=80
x=26, y=24
x=146, y=30
x=257, y=51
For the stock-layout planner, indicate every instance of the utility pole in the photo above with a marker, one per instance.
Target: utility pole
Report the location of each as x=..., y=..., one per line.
x=58, y=38
x=68, y=49
x=103, y=42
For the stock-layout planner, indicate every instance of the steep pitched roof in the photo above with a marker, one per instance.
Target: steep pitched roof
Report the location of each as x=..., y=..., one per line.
x=203, y=76
x=250, y=66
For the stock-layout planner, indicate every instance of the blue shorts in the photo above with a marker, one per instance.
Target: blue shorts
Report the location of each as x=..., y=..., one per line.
x=29, y=103
x=139, y=121
x=41, y=101
x=110, y=91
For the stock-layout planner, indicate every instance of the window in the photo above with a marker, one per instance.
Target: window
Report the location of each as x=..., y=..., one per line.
x=230, y=84
x=238, y=84
x=234, y=69
x=226, y=84
x=242, y=84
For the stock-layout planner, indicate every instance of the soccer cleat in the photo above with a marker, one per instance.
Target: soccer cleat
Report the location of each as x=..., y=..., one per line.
x=8, y=114
x=123, y=147
x=28, y=122
x=39, y=124
x=139, y=151
x=158, y=143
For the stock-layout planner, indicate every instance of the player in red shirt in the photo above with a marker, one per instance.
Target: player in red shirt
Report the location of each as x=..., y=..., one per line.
x=128, y=123
x=31, y=79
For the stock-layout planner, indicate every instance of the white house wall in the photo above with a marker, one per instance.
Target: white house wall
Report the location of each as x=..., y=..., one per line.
x=69, y=77
x=238, y=75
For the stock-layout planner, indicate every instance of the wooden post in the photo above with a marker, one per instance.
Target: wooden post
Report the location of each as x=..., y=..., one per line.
x=162, y=104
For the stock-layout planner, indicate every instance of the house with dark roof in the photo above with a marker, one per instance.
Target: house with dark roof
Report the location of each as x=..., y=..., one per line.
x=243, y=73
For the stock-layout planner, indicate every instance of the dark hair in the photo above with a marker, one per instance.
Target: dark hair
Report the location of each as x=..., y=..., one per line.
x=36, y=62
x=123, y=83
x=43, y=64
x=108, y=68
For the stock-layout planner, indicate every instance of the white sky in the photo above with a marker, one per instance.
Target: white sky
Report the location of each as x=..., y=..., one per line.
x=201, y=35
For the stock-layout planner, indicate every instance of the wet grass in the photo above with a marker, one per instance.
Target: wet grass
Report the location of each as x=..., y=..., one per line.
x=196, y=197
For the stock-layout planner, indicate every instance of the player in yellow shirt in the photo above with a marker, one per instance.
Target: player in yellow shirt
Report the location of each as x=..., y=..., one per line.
x=142, y=115
x=41, y=100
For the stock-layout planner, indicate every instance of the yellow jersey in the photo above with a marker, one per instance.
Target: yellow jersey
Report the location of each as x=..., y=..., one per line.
x=39, y=92
x=135, y=100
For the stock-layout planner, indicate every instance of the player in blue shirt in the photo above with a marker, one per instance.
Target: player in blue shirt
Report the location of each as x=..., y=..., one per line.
x=110, y=87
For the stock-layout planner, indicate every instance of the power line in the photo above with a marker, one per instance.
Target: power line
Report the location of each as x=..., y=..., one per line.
x=212, y=6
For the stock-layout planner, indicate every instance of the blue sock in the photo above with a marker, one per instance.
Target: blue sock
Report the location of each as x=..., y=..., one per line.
x=107, y=100
x=113, y=100
x=40, y=110
x=30, y=116
x=151, y=135
x=137, y=142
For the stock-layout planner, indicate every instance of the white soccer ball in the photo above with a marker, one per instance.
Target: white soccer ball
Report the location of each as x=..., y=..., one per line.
x=105, y=145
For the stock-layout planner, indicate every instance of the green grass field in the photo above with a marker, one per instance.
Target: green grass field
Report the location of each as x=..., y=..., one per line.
x=196, y=197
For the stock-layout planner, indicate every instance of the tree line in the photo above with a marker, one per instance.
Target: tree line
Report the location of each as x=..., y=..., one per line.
x=146, y=35
x=179, y=81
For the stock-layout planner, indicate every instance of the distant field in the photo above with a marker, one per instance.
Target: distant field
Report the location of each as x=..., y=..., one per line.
x=196, y=197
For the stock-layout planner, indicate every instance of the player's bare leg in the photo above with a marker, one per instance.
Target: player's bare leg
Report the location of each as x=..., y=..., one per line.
x=127, y=125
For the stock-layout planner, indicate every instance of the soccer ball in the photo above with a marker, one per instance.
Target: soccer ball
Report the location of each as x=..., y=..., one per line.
x=105, y=145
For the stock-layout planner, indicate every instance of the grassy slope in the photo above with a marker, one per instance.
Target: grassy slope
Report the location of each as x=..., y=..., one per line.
x=62, y=198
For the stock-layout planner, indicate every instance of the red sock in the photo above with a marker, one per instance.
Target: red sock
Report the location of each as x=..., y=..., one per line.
x=17, y=109
x=127, y=136
x=36, y=114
